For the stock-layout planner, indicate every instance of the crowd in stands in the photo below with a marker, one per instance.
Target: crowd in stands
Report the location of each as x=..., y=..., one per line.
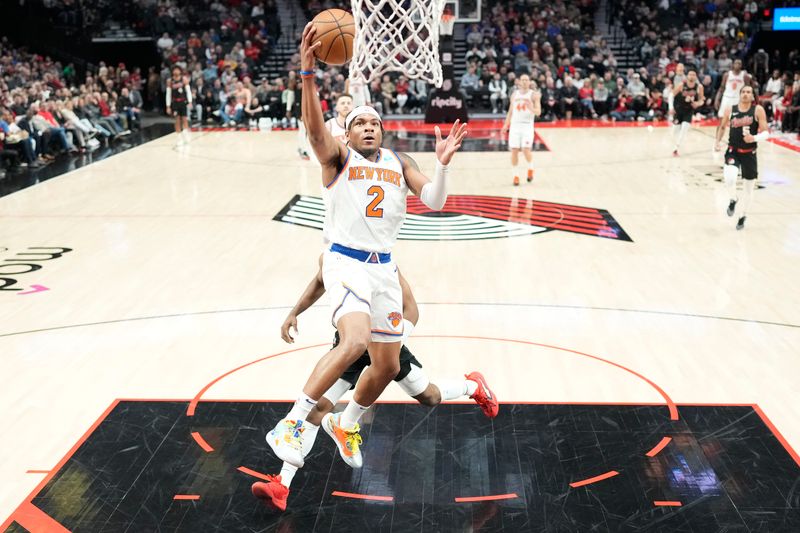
x=577, y=73
x=219, y=43
x=46, y=110
x=177, y=18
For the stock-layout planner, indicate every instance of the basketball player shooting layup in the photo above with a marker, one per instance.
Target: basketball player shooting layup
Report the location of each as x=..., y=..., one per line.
x=524, y=106
x=412, y=379
x=748, y=126
x=367, y=188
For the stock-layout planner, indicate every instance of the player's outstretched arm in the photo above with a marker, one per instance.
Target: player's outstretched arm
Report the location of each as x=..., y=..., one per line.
x=433, y=193
x=313, y=292
x=327, y=149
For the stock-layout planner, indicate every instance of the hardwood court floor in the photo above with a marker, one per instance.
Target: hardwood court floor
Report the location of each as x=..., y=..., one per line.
x=176, y=272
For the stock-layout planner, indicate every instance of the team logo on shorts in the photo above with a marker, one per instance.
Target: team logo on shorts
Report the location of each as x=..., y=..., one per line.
x=395, y=318
x=472, y=217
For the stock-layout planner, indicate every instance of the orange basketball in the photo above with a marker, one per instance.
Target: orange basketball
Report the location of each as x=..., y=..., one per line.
x=336, y=29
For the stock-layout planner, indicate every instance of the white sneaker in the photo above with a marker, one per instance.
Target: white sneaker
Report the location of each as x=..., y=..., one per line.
x=347, y=440
x=286, y=441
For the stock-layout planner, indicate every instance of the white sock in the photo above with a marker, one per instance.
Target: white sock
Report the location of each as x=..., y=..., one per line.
x=352, y=414
x=747, y=197
x=301, y=407
x=287, y=474
x=530, y=166
x=450, y=389
x=516, y=171
x=309, y=436
x=408, y=329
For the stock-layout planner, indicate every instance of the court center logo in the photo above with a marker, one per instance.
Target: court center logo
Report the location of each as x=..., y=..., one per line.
x=470, y=217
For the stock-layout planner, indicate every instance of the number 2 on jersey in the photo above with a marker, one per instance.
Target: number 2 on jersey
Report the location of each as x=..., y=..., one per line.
x=373, y=211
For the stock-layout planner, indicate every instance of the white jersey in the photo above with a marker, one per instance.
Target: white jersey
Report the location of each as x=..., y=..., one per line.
x=338, y=132
x=359, y=91
x=733, y=85
x=366, y=202
x=522, y=108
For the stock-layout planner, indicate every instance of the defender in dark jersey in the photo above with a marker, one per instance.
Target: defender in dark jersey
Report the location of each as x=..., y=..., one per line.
x=748, y=126
x=411, y=378
x=688, y=96
x=179, y=99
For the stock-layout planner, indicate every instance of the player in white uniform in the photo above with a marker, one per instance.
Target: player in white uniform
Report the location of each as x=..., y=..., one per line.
x=357, y=87
x=525, y=104
x=731, y=85
x=367, y=188
x=335, y=125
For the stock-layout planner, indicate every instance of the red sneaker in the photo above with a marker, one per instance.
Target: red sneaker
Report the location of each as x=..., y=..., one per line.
x=272, y=493
x=516, y=180
x=483, y=395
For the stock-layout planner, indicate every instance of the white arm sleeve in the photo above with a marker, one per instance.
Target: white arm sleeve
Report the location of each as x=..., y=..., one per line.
x=434, y=193
x=188, y=94
x=169, y=96
x=763, y=136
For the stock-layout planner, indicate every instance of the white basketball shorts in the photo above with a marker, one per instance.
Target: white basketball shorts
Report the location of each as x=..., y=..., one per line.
x=363, y=287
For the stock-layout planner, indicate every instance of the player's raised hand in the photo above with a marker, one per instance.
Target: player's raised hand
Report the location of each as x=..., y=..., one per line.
x=307, y=47
x=289, y=324
x=445, y=148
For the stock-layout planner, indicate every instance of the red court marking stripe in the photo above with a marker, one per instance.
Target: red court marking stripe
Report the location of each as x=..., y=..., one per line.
x=595, y=479
x=58, y=466
x=186, y=497
x=34, y=519
x=198, y=438
x=37, y=471
x=785, y=144
x=668, y=503
x=519, y=211
x=193, y=403
x=658, y=447
x=777, y=434
x=518, y=206
x=504, y=201
x=362, y=496
x=487, y=498
x=251, y=472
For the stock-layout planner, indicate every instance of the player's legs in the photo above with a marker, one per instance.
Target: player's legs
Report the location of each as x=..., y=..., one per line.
x=526, y=151
x=514, y=161
x=730, y=172
x=750, y=176
x=682, y=125
x=354, y=331
x=349, y=291
x=275, y=491
x=415, y=382
x=384, y=366
x=384, y=351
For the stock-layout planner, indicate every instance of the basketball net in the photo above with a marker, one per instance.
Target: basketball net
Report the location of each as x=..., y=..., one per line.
x=397, y=36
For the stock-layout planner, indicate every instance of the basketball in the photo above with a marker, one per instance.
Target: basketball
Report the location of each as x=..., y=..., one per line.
x=336, y=30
